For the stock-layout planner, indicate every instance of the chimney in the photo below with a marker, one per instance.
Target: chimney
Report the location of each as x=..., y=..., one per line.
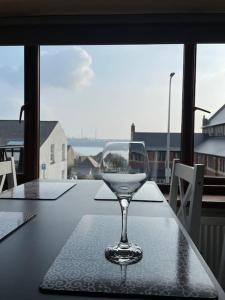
x=204, y=123
x=132, y=131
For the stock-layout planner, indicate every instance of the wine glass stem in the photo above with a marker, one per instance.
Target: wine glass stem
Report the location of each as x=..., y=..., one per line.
x=124, y=204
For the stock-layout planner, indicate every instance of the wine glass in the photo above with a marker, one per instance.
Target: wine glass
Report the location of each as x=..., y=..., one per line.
x=124, y=168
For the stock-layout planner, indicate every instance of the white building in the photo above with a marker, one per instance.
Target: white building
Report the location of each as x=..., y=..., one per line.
x=53, y=151
x=53, y=146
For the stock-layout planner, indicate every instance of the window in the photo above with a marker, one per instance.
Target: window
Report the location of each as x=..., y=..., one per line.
x=210, y=96
x=63, y=152
x=177, y=155
x=222, y=165
x=161, y=156
x=63, y=174
x=12, y=98
x=199, y=158
x=96, y=81
x=52, y=154
x=211, y=162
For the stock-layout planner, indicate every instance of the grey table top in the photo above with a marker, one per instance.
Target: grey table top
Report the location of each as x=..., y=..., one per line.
x=39, y=190
x=27, y=254
x=149, y=192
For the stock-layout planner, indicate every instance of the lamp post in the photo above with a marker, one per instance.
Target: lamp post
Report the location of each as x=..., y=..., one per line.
x=167, y=169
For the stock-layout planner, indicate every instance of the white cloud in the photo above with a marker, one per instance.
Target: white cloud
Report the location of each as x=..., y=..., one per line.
x=68, y=66
x=61, y=67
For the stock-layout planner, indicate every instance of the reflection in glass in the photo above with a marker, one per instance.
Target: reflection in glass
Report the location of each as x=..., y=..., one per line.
x=124, y=169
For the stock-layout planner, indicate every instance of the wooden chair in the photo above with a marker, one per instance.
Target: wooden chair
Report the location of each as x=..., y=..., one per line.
x=190, y=194
x=7, y=170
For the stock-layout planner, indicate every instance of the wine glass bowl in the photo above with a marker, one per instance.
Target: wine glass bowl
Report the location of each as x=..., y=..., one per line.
x=124, y=168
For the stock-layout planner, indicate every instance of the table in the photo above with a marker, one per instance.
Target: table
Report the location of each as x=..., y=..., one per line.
x=27, y=254
x=39, y=189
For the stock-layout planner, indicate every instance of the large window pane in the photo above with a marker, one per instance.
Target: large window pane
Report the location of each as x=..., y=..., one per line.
x=210, y=80
x=93, y=94
x=12, y=98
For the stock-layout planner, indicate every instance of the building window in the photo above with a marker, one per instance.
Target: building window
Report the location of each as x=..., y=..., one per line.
x=222, y=165
x=161, y=155
x=210, y=162
x=199, y=159
x=63, y=152
x=151, y=155
x=211, y=131
x=218, y=131
x=63, y=174
x=177, y=155
x=52, y=154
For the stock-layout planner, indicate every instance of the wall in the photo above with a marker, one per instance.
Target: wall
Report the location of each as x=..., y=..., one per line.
x=54, y=170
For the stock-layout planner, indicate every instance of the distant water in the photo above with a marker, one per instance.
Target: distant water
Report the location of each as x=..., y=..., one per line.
x=87, y=151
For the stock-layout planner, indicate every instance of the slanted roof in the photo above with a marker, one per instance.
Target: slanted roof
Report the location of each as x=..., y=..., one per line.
x=156, y=141
x=12, y=130
x=217, y=119
x=90, y=161
x=212, y=146
x=93, y=162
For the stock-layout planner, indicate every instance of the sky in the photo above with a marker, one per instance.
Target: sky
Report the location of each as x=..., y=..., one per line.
x=99, y=91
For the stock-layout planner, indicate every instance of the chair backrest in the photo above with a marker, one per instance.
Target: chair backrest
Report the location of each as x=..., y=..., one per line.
x=190, y=195
x=221, y=275
x=8, y=171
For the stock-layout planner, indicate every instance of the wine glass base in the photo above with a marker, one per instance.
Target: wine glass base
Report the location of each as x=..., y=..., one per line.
x=124, y=254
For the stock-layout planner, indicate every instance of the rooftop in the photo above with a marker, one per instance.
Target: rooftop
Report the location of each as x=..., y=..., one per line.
x=11, y=131
x=217, y=119
x=156, y=141
x=212, y=146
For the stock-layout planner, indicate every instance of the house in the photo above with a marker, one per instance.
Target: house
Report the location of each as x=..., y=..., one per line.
x=211, y=151
x=53, y=147
x=87, y=167
x=155, y=143
x=209, y=146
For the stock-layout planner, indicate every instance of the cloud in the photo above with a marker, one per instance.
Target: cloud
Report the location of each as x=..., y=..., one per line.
x=66, y=67
x=61, y=67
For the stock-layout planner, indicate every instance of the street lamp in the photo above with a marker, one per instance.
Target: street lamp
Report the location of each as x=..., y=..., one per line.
x=167, y=169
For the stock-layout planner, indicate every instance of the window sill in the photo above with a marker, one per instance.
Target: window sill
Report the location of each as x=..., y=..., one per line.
x=208, y=201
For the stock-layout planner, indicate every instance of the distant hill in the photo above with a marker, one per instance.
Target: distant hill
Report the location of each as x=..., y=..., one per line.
x=85, y=142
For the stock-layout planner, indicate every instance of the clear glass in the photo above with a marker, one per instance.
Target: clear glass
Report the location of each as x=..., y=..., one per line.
x=124, y=168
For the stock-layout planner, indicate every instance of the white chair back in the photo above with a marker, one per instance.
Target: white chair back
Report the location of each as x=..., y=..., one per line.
x=8, y=171
x=221, y=274
x=190, y=217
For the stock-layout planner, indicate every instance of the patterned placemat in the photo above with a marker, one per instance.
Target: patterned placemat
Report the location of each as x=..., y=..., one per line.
x=39, y=190
x=147, y=193
x=10, y=221
x=169, y=267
